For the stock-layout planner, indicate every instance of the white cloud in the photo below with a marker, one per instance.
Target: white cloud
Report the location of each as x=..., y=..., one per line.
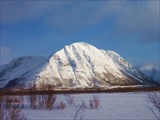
x=151, y=64
x=19, y=11
x=139, y=18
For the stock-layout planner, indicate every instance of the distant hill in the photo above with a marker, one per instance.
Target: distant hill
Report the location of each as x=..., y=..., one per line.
x=151, y=72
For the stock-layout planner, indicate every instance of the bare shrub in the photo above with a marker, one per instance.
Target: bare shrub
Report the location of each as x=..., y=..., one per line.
x=2, y=113
x=32, y=99
x=1, y=108
x=94, y=103
x=10, y=100
x=69, y=99
x=41, y=100
x=14, y=105
x=1, y=100
x=91, y=104
x=15, y=113
x=154, y=99
x=61, y=106
x=46, y=101
x=79, y=111
x=50, y=101
x=84, y=105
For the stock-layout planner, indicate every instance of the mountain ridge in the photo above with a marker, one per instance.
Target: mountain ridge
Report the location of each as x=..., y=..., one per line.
x=151, y=72
x=76, y=65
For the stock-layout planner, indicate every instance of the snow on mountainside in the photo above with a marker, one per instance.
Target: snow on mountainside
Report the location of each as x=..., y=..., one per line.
x=151, y=72
x=77, y=65
x=124, y=66
x=17, y=68
x=1, y=66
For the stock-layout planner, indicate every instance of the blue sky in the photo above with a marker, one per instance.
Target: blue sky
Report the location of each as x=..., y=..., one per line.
x=131, y=28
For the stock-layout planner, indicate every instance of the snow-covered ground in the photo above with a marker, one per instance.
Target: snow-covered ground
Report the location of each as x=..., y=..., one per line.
x=112, y=106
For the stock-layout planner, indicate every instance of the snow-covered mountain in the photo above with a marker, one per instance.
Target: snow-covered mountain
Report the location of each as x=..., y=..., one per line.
x=151, y=72
x=77, y=65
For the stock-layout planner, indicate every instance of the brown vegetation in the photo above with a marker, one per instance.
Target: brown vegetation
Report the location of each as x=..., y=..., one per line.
x=69, y=99
x=11, y=108
x=1, y=107
x=41, y=101
x=51, y=90
x=61, y=106
x=32, y=98
x=79, y=111
x=46, y=101
x=94, y=103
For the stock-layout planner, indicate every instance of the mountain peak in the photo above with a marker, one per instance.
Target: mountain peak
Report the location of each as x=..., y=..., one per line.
x=74, y=47
x=81, y=43
x=77, y=65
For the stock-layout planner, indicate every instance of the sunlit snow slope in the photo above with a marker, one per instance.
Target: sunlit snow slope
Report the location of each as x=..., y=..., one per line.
x=77, y=65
